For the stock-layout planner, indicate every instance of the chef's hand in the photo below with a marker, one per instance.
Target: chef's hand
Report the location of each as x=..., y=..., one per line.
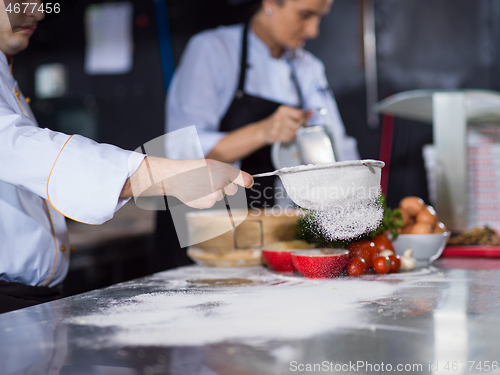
x=196, y=183
x=282, y=124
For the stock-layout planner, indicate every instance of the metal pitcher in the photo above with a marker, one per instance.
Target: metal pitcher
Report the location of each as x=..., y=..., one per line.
x=314, y=145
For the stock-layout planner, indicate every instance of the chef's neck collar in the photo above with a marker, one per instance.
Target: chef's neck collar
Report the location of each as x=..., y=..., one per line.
x=288, y=53
x=7, y=60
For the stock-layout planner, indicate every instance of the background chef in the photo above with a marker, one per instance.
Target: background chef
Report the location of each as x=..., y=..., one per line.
x=46, y=175
x=247, y=86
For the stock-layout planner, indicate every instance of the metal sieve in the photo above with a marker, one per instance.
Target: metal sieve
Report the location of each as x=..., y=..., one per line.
x=322, y=186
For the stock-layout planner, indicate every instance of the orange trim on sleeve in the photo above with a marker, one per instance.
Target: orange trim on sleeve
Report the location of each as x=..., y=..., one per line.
x=55, y=243
x=48, y=180
x=17, y=94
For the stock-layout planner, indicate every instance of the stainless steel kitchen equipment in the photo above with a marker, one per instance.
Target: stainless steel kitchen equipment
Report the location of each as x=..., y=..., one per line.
x=452, y=113
x=313, y=144
x=250, y=320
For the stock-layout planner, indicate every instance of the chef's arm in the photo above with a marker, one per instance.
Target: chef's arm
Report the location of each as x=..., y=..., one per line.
x=238, y=144
x=197, y=183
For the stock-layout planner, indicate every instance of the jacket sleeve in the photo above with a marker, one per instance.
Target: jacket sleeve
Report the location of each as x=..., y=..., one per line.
x=80, y=178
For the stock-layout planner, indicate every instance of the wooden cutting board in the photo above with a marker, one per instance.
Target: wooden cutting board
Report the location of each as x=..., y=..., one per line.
x=260, y=227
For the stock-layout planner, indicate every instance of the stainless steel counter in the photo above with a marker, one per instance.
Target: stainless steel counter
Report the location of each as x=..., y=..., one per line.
x=442, y=319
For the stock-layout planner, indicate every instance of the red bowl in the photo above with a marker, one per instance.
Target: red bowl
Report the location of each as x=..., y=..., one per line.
x=320, y=263
x=278, y=260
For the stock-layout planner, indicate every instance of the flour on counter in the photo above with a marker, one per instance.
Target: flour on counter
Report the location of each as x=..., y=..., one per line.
x=274, y=307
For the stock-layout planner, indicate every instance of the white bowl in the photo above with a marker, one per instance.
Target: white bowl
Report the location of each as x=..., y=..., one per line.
x=426, y=247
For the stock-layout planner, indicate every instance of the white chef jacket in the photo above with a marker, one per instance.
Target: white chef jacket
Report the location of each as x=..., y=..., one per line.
x=43, y=176
x=206, y=80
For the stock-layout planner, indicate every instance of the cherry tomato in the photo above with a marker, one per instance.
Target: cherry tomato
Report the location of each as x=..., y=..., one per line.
x=356, y=266
x=381, y=264
x=363, y=249
x=395, y=263
x=382, y=243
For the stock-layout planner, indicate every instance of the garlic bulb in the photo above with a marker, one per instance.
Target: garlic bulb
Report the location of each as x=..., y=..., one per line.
x=407, y=262
x=385, y=253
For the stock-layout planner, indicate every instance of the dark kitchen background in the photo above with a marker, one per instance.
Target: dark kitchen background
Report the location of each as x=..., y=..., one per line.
x=434, y=44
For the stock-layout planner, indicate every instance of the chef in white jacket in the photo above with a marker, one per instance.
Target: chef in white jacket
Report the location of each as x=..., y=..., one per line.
x=45, y=176
x=247, y=86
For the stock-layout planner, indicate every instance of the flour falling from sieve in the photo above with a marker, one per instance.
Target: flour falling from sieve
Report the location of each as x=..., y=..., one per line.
x=343, y=199
x=346, y=222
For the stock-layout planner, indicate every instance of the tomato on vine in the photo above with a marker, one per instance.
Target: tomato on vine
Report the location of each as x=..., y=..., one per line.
x=356, y=266
x=363, y=249
x=395, y=263
x=382, y=243
x=381, y=264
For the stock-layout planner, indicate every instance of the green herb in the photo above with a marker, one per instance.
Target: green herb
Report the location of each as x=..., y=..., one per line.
x=309, y=231
x=391, y=221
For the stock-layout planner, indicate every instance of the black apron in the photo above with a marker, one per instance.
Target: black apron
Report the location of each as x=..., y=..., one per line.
x=246, y=109
x=14, y=296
